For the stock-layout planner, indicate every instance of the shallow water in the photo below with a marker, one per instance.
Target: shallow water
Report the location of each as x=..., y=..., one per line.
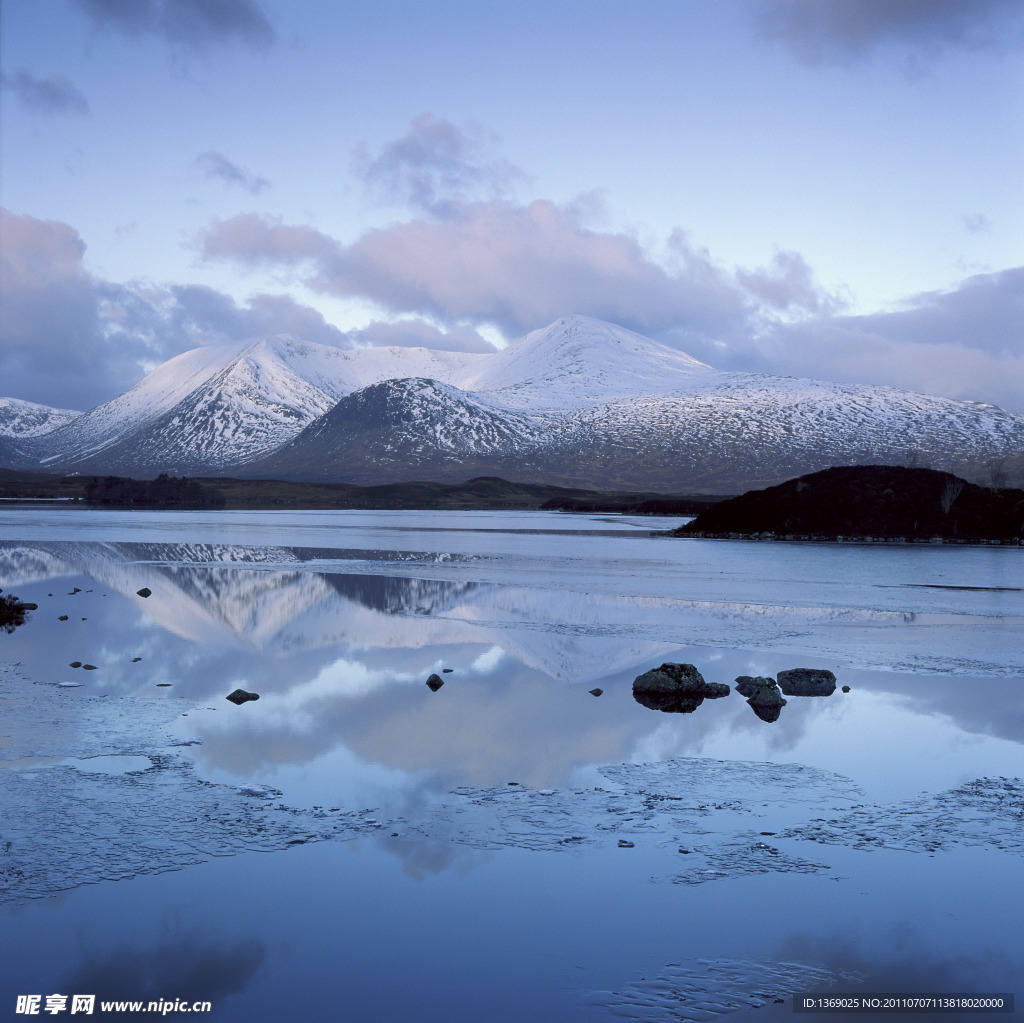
x=395, y=847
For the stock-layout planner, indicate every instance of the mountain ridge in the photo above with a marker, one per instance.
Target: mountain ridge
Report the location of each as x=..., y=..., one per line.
x=580, y=402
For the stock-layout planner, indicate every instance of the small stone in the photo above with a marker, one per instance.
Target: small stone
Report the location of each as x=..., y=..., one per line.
x=145, y=592
x=62, y=618
x=75, y=664
x=846, y=689
x=88, y=667
x=685, y=851
x=162, y=685
x=625, y=844
x=240, y=696
x=447, y=671
x=434, y=683
x=135, y=660
x=596, y=692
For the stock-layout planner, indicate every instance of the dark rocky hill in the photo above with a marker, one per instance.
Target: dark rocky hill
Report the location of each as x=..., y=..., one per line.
x=882, y=501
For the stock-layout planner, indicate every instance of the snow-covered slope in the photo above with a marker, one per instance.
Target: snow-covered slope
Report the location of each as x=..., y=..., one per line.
x=217, y=407
x=582, y=361
x=580, y=402
x=27, y=419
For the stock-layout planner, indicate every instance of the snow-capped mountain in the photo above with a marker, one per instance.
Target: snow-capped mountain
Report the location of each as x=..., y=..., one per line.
x=580, y=402
x=27, y=419
x=21, y=421
x=215, y=408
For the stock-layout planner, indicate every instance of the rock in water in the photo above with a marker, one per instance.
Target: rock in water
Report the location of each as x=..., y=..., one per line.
x=240, y=696
x=596, y=692
x=751, y=685
x=807, y=682
x=763, y=696
x=435, y=682
x=675, y=688
x=145, y=592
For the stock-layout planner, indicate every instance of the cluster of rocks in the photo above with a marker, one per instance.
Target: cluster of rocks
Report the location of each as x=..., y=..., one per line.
x=681, y=689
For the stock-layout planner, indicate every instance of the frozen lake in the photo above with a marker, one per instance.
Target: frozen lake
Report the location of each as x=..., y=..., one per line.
x=509, y=847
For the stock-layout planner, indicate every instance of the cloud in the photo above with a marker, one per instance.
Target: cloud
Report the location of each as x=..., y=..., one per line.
x=216, y=165
x=516, y=267
x=54, y=95
x=963, y=343
x=434, y=166
x=847, y=31
x=977, y=223
x=520, y=267
x=73, y=340
x=253, y=240
x=789, y=284
x=407, y=333
x=191, y=24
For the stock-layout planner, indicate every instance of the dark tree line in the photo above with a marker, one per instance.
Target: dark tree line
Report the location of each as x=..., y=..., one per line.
x=163, y=492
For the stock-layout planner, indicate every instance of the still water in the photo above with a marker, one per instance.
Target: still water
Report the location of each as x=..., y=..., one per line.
x=354, y=845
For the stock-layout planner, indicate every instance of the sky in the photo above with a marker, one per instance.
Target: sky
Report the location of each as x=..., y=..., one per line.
x=822, y=188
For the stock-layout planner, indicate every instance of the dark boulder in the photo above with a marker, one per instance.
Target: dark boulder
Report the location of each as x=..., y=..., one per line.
x=750, y=685
x=763, y=696
x=675, y=689
x=807, y=682
x=145, y=592
x=595, y=692
x=240, y=696
x=435, y=682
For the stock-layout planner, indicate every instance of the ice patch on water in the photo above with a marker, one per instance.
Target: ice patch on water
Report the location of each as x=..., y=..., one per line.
x=985, y=812
x=686, y=804
x=744, y=855
x=704, y=781
x=701, y=990
x=113, y=764
x=63, y=828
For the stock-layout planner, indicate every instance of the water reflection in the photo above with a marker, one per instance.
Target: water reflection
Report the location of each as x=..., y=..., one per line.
x=339, y=660
x=13, y=612
x=181, y=966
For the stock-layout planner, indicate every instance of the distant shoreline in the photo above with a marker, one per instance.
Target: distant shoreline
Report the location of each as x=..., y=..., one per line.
x=483, y=493
x=890, y=541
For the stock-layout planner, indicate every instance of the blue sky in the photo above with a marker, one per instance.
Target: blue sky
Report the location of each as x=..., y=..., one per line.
x=829, y=188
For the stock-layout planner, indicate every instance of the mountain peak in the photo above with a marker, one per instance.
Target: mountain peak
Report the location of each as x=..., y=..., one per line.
x=579, y=359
